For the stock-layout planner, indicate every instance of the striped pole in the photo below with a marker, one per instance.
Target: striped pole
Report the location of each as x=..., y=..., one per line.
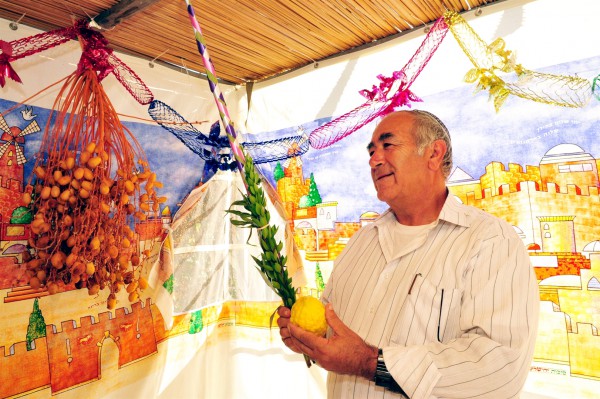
x=236, y=149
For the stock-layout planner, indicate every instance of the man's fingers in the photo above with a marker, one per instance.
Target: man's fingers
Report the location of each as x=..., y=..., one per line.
x=300, y=346
x=290, y=342
x=282, y=311
x=306, y=341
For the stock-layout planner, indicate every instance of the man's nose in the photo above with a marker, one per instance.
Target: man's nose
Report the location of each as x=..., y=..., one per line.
x=376, y=159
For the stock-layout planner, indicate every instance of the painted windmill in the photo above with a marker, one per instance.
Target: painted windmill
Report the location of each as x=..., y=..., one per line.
x=13, y=135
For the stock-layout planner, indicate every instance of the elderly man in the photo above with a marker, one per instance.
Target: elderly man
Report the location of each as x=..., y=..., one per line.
x=434, y=299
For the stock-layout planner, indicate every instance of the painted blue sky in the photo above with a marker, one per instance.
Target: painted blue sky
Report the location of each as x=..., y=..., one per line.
x=176, y=166
x=522, y=132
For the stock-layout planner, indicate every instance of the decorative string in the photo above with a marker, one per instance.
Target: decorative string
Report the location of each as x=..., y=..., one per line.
x=25, y=101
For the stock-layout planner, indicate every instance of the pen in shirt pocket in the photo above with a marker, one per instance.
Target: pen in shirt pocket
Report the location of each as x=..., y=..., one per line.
x=441, y=305
x=440, y=318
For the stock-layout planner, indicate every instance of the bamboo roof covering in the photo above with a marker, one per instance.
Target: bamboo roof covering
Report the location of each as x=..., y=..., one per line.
x=248, y=40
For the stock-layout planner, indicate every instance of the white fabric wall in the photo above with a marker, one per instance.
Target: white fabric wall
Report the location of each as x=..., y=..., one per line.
x=223, y=361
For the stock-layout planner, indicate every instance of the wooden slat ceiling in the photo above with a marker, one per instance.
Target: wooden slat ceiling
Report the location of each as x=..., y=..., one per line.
x=248, y=40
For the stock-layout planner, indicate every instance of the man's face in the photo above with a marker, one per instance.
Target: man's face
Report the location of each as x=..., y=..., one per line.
x=397, y=170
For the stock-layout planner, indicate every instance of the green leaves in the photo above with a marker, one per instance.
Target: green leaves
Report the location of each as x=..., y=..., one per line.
x=255, y=215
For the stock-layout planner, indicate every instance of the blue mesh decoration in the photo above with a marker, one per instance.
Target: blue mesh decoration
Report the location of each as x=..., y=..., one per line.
x=214, y=148
x=278, y=149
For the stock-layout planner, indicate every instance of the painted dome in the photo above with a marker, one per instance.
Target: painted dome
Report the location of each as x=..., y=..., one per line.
x=304, y=225
x=533, y=247
x=565, y=153
x=563, y=149
x=593, y=246
x=562, y=281
x=369, y=215
x=15, y=249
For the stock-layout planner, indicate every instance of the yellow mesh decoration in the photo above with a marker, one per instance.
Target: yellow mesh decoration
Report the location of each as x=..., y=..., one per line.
x=490, y=60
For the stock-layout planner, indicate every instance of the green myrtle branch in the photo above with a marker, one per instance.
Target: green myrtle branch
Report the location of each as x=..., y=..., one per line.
x=271, y=264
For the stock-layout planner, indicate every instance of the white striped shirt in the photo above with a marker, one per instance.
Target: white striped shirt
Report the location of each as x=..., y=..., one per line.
x=475, y=268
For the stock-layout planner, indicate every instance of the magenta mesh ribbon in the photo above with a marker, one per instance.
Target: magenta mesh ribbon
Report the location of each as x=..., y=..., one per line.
x=132, y=82
x=24, y=47
x=96, y=55
x=30, y=45
x=392, y=93
x=6, y=70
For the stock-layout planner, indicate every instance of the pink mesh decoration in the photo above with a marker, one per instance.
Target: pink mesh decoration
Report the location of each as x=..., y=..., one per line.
x=96, y=54
x=392, y=93
x=132, y=82
x=30, y=45
x=43, y=41
x=6, y=70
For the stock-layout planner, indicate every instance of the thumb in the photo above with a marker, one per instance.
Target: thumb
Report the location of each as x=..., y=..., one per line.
x=334, y=321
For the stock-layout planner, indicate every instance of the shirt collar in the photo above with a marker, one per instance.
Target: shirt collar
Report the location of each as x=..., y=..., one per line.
x=452, y=212
x=455, y=212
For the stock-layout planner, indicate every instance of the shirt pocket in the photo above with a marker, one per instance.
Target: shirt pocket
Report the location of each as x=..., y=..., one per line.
x=430, y=313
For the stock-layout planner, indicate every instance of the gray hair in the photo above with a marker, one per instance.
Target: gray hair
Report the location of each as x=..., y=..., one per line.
x=429, y=128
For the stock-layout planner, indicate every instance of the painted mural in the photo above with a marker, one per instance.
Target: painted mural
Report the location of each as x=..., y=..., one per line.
x=68, y=343
x=534, y=165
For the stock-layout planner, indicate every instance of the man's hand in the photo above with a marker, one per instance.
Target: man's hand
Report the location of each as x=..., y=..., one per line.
x=343, y=352
x=283, y=321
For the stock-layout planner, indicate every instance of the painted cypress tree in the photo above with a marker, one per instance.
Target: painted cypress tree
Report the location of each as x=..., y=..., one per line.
x=196, y=324
x=278, y=173
x=319, y=278
x=37, y=325
x=314, y=197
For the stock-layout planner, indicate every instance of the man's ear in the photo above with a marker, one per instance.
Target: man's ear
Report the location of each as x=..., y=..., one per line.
x=436, y=157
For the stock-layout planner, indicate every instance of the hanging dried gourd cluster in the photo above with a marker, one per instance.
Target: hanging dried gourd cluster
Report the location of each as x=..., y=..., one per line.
x=90, y=183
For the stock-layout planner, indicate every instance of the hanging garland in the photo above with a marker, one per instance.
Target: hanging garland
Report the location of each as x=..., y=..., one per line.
x=493, y=65
x=210, y=148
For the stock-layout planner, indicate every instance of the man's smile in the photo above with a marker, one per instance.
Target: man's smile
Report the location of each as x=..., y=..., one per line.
x=380, y=176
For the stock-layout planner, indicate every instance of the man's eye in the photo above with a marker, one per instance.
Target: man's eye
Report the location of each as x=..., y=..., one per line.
x=385, y=145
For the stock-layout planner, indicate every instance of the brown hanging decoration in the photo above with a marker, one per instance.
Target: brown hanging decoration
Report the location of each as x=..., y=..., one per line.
x=90, y=183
